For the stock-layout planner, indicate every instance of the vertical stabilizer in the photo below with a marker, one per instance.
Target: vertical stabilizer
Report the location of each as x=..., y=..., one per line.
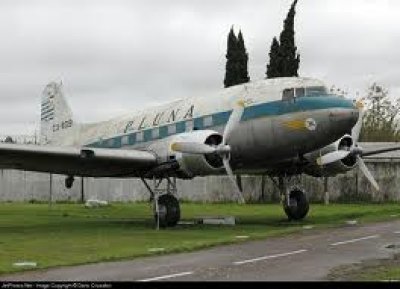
x=56, y=116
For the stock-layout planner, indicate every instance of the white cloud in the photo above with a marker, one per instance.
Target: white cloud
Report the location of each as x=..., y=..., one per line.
x=116, y=55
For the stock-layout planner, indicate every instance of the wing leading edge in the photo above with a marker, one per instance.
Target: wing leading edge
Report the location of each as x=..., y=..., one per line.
x=75, y=161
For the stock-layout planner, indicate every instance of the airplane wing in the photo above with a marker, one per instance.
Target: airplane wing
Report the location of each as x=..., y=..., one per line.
x=76, y=161
x=367, y=153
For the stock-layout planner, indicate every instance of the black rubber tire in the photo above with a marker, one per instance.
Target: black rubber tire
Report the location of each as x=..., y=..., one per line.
x=299, y=205
x=170, y=212
x=69, y=182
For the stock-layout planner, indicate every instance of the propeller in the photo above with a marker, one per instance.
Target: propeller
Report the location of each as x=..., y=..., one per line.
x=222, y=149
x=332, y=157
x=354, y=150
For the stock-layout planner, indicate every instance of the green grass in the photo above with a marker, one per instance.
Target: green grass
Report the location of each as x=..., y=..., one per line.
x=68, y=234
x=381, y=273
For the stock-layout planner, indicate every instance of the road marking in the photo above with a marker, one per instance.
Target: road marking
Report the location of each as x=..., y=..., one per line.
x=396, y=232
x=268, y=257
x=354, y=240
x=165, y=277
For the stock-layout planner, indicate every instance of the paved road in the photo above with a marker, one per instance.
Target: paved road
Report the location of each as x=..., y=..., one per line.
x=303, y=256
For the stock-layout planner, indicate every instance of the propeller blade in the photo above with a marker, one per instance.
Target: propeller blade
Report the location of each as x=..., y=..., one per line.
x=192, y=148
x=233, y=180
x=332, y=157
x=355, y=132
x=367, y=173
x=234, y=120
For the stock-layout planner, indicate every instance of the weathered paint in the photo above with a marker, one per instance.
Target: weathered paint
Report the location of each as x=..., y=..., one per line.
x=270, y=130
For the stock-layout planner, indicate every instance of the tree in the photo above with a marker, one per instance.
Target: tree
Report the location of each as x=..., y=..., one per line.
x=243, y=59
x=273, y=68
x=237, y=59
x=231, y=57
x=286, y=62
x=379, y=121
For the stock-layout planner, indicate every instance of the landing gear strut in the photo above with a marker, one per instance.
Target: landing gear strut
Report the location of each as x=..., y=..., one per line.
x=166, y=207
x=295, y=202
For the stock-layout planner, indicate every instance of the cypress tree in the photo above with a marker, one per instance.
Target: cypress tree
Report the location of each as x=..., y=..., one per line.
x=273, y=68
x=236, y=60
x=231, y=60
x=284, y=59
x=243, y=60
x=287, y=49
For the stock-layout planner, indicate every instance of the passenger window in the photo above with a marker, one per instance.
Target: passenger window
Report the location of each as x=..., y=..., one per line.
x=207, y=121
x=288, y=94
x=300, y=92
x=172, y=129
x=155, y=133
x=139, y=136
x=189, y=125
x=125, y=140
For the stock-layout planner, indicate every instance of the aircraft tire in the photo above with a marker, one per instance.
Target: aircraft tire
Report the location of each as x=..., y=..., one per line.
x=169, y=210
x=69, y=182
x=299, y=206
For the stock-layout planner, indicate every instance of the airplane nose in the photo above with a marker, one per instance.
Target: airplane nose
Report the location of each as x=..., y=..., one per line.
x=346, y=116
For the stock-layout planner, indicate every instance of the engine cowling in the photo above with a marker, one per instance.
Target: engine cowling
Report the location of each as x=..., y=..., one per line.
x=191, y=165
x=333, y=169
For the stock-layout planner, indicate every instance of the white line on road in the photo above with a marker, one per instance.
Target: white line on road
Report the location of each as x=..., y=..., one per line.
x=354, y=240
x=269, y=257
x=396, y=232
x=166, y=277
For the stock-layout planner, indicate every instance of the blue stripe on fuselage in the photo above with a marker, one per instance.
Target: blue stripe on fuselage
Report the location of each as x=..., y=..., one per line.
x=267, y=109
x=296, y=105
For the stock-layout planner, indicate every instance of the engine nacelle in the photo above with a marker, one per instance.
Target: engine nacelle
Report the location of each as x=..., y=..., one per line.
x=333, y=169
x=191, y=165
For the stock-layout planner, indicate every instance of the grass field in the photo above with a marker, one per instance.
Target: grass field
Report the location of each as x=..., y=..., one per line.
x=67, y=234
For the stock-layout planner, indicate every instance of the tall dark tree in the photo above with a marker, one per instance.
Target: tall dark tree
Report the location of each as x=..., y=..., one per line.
x=273, y=68
x=236, y=60
x=243, y=60
x=287, y=60
x=231, y=60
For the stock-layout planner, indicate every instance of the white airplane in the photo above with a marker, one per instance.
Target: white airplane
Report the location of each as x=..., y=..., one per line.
x=280, y=127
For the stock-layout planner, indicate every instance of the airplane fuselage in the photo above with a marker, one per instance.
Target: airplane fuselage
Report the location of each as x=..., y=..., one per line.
x=277, y=124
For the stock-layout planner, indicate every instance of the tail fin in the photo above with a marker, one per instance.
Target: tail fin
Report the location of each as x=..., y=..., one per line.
x=56, y=116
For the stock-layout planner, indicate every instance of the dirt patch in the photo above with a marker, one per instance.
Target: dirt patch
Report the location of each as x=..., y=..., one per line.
x=364, y=271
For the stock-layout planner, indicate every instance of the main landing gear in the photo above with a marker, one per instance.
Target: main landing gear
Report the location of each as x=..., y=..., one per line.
x=166, y=207
x=295, y=202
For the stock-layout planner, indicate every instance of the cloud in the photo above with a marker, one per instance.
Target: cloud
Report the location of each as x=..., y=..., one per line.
x=117, y=55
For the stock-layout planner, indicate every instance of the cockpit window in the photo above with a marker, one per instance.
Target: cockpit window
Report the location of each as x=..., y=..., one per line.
x=300, y=92
x=288, y=94
x=315, y=91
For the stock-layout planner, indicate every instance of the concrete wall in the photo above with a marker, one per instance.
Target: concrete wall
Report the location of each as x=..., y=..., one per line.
x=27, y=186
